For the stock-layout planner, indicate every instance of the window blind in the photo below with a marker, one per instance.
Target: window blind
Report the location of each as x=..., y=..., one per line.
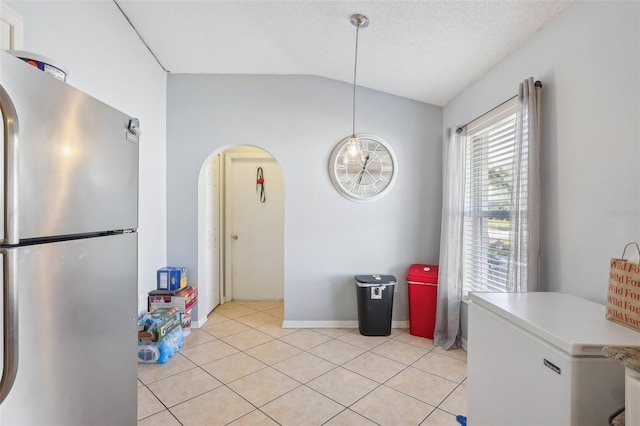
x=489, y=155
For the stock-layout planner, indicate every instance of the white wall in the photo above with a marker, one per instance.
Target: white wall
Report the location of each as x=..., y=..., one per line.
x=106, y=59
x=299, y=120
x=588, y=62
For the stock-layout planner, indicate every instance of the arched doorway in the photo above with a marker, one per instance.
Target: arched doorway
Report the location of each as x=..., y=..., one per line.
x=240, y=233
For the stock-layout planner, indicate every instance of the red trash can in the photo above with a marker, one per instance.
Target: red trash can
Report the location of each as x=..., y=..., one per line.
x=423, y=296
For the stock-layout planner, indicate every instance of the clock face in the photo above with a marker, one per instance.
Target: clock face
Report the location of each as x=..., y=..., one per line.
x=365, y=170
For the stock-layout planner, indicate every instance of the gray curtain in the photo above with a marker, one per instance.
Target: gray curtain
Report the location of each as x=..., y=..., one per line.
x=447, y=330
x=524, y=233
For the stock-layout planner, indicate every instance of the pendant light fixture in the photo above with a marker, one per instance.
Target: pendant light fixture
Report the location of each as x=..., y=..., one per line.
x=358, y=21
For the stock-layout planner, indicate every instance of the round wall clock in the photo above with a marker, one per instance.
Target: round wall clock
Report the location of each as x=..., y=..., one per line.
x=365, y=170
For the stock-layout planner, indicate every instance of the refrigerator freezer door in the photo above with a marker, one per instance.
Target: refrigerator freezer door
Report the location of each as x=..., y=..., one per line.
x=77, y=334
x=78, y=171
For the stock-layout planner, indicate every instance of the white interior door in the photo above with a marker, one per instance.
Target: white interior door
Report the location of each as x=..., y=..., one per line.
x=11, y=28
x=217, y=277
x=209, y=241
x=211, y=215
x=254, y=230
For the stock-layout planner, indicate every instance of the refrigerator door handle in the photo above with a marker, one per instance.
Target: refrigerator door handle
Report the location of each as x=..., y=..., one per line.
x=9, y=320
x=11, y=143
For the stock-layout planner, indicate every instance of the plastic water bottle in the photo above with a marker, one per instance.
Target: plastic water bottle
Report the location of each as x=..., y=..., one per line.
x=148, y=354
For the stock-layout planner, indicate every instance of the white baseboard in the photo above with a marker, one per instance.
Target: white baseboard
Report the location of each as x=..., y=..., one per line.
x=463, y=342
x=400, y=324
x=335, y=324
x=312, y=324
x=319, y=324
x=199, y=323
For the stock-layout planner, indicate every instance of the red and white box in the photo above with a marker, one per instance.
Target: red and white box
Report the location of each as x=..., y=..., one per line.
x=182, y=300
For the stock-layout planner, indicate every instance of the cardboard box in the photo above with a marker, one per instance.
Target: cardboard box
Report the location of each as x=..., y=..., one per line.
x=171, y=278
x=183, y=299
x=186, y=322
x=155, y=326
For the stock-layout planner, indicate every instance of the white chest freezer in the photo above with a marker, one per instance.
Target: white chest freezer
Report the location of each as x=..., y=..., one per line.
x=536, y=359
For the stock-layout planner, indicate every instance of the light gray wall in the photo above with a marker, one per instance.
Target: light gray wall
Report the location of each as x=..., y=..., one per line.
x=299, y=119
x=588, y=62
x=106, y=59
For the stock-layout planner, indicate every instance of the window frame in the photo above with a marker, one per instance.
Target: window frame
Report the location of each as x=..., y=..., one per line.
x=478, y=212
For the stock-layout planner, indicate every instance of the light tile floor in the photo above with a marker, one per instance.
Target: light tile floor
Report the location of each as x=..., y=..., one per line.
x=243, y=368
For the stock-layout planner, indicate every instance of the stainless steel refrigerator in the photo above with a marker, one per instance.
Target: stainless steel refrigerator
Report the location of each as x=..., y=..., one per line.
x=68, y=249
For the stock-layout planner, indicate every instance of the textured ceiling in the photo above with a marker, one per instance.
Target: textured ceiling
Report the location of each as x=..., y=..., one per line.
x=424, y=50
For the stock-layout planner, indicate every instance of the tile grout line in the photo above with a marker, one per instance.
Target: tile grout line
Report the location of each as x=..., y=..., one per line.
x=168, y=409
x=334, y=368
x=254, y=327
x=305, y=351
x=370, y=350
x=268, y=366
x=448, y=395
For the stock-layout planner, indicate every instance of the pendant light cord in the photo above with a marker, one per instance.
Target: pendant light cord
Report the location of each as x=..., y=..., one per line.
x=355, y=68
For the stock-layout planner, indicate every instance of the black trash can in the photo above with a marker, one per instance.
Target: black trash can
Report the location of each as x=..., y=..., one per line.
x=375, y=304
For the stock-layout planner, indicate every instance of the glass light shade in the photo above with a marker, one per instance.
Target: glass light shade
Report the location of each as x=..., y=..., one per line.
x=354, y=148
